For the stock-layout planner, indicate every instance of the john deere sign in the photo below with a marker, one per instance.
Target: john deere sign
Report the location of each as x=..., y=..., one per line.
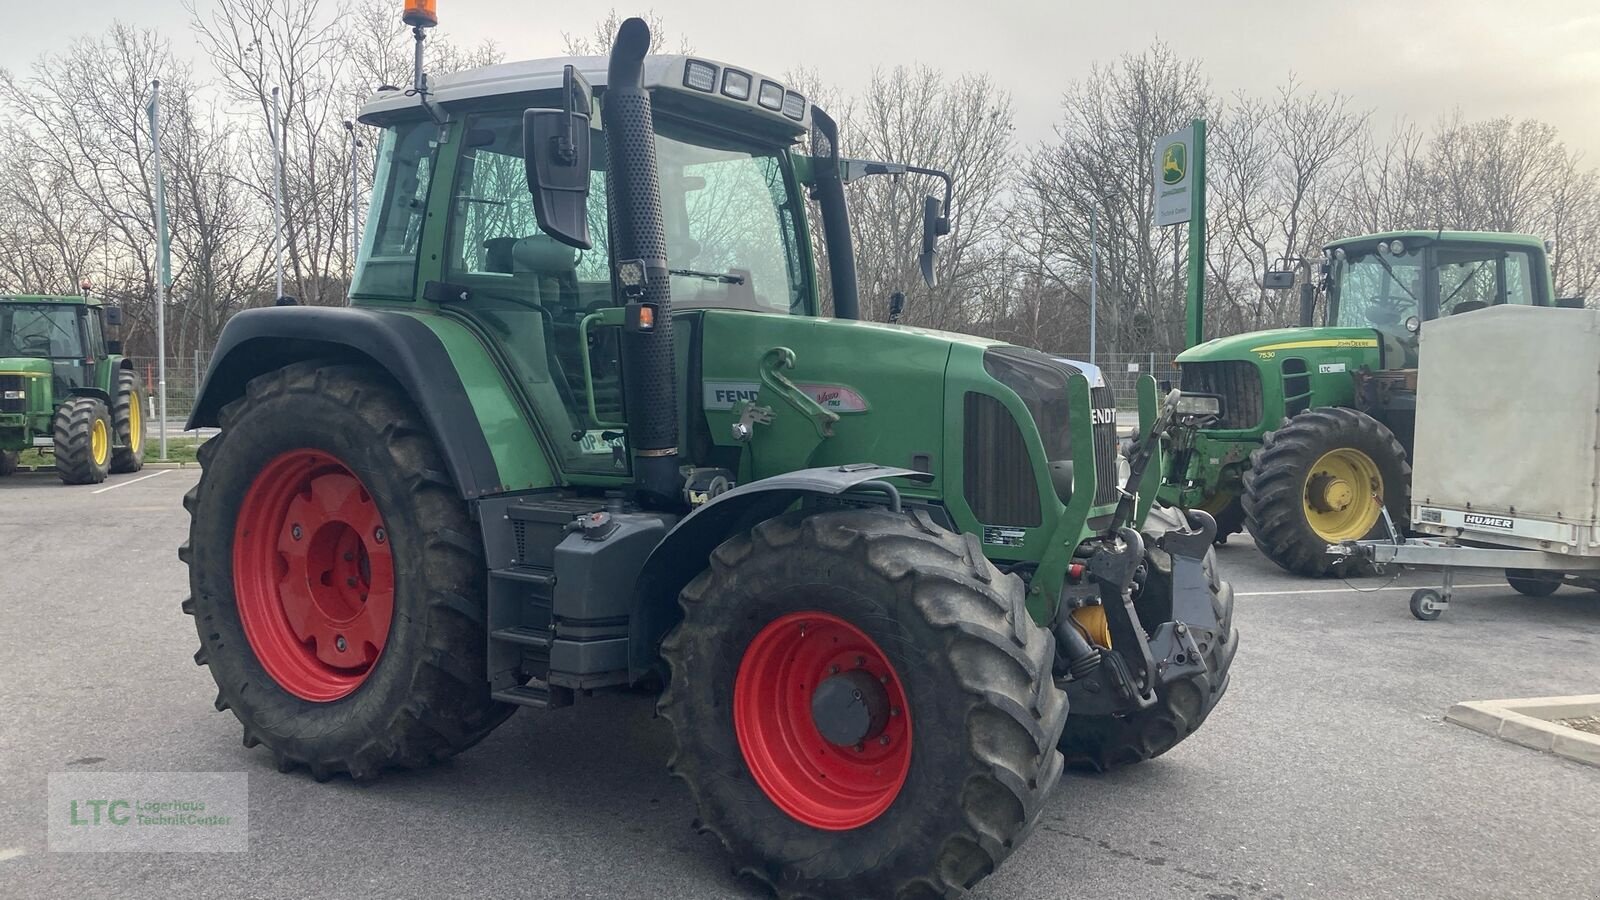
x=1174, y=181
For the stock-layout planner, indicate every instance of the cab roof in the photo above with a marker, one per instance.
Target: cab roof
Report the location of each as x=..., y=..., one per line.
x=661, y=72
x=1434, y=236
x=48, y=298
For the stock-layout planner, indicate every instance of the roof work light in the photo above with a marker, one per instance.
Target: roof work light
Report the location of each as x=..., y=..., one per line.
x=421, y=13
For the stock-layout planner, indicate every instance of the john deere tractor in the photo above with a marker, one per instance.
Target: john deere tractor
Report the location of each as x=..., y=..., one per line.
x=1316, y=424
x=582, y=429
x=66, y=389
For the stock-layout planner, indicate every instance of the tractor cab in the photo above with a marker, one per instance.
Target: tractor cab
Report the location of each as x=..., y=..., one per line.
x=1394, y=282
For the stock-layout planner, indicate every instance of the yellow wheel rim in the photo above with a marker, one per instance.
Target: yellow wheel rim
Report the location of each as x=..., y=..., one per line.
x=135, y=424
x=1091, y=620
x=1343, y=495
x=99, y=442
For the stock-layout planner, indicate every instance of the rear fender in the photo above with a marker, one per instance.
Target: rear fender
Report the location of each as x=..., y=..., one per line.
x=415, y=355
x=684, y=552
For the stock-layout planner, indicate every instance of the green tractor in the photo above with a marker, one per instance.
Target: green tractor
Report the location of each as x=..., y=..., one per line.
x=583, y=429
x=66, y=388
x=1316, y=424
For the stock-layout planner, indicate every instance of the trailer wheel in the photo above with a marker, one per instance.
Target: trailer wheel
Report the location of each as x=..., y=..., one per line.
x=9, y=460
x=1533, y=583
x=1102, y=742
x=81, y=434
x=128, y=417
x=1323, y=478
x=1427, y=604
x=862, y=706
x=337, y=582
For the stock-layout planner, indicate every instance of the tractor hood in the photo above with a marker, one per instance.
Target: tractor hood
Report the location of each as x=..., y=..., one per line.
x=24, y=365
x=1277, y=342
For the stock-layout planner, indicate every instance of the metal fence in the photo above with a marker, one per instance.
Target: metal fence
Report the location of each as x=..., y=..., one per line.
x=185, y=374
x=1122, y=371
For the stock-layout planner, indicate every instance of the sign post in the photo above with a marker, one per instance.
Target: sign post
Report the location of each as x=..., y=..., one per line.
x=1180, y=176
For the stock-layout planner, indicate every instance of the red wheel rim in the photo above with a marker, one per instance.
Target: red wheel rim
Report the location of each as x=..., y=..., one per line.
x=816, y=781
x=313, y=575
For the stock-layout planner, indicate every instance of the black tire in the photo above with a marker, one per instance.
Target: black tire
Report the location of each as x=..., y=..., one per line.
x=1533, y=583
x=1230, y=520
x=1100, y=743
x=976, y=673
x=72, y=432
x=426, y=697
x=1275, y=485
x=9, y=460
x=128, y=455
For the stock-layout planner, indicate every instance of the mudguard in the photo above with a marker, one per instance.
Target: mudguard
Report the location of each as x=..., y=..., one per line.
x=683, y=553
x=261, y=340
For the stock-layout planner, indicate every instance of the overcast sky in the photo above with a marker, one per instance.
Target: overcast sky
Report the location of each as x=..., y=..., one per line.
x=1416, y=58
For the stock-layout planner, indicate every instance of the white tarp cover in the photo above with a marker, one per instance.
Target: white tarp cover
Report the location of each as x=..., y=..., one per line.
x=1508, y=400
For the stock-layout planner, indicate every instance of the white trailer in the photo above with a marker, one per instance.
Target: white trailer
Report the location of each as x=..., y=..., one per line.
x=1505, y=468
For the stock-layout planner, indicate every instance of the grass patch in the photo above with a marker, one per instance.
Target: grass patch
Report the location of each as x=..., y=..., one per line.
x=180, y=449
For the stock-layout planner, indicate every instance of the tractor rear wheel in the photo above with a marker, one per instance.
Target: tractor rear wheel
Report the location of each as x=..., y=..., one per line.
x=1323, y=478
x=127, y=414
x=9, y=460
x=1100, y=743
x=337, y=582
x=862, y=706
x=81, y=433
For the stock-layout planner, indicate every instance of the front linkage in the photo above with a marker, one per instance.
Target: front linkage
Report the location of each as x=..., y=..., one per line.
x=1167, y=623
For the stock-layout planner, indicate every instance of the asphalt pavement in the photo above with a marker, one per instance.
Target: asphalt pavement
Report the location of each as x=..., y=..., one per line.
x=1327, y=771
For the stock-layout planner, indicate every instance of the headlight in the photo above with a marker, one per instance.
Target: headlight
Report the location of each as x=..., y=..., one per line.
x=16, y=395
x=1124, y=470
x=735, y=84
x=1197, y=405
x=794, y=106
x=771, y=95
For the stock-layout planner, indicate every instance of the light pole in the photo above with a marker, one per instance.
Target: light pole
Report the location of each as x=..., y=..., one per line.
x=277, y=192
x=163, y=260
x=354, y=245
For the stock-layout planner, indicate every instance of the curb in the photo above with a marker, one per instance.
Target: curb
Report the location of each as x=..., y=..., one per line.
x=1529, y=723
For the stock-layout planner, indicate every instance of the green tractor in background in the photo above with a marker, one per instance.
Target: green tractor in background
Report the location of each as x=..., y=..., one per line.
x=1316, y=424
x=582, y=429
x=66, y=388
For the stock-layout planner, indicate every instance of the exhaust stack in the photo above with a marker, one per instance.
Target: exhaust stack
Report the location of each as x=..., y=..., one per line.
x=651, y=397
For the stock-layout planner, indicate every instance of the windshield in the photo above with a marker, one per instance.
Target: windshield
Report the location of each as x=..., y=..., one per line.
x=42, y=331
x=729, y=216
x=1377, y=289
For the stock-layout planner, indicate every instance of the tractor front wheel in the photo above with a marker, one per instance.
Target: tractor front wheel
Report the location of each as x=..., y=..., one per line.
x=862, y=706
x=1324, y=477
x=81, y=433
x=337, y=583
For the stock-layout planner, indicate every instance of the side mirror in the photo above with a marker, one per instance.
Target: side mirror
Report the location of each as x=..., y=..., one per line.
x=113, y=348
x=113, y=315
x=555, y=149
x=1308, y=304
x=934, y=226
x=1278, y=280
x=897, y=305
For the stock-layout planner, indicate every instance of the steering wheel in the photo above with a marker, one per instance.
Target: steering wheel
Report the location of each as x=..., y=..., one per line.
x=1383, y=311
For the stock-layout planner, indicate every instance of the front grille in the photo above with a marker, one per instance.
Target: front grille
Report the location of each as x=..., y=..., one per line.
x=997, y=479
x=1237, y=382
x=1105, y=448
x=12, y=383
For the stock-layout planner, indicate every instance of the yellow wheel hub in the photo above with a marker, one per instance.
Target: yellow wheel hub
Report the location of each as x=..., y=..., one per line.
x=99, y=442
x=1343, y=495
x=135, y=425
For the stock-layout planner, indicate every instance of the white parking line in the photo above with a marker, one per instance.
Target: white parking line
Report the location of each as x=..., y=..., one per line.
x=134, y=481
x=1355, y=590
x=11, y=853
